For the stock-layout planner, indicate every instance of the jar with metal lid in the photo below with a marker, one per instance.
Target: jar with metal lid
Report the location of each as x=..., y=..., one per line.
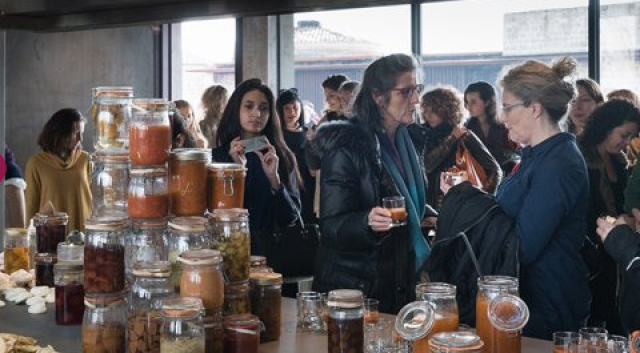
x=147, y=242
x=148, y=193
x=51, y=229
x=44, y=269
x=442, y=297
x=111, y=114
x=455, y=342
x=69, y=289
x=266, y=303
x=213, y=331
x=259, y=265
x=104, y=255
x=202, y=276
x=241, y=333
x=230, y=234
x=188, y=181
x=185, y=233
x=110, y=184
x=508, y=315
x=182, y=329
x=103, y=326
x=151, y=285
x=414, y=323
x=346, y=321
x=225, y=185
x=71, y=252
x=16, y=250
x=490, y=287
x=236, y=298
x=150, y=132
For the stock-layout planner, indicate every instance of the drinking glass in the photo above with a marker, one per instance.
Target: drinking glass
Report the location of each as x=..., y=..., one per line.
x=396, y=205
x=371, y=313
x=565, y=342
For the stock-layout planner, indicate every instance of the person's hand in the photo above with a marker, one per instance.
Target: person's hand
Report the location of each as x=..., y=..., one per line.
x=605, y=224
x=236, y=151
x=450, y=179
x=379, y=219
x=270, y=161
x=636, y=217
x=458, y=131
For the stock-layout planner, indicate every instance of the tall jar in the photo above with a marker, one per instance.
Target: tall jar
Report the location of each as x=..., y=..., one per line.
x=188, y=181
x=111, y=114
x=508, y=315
x=151, y=285
x=213, y=331
x=69, y=289
x=147, y=242
x=346, y=321
x=110, y=184
x=44, y=269
x=103, y=325
x=266, y=303
x=16, y=250
x=489, y=287
x=148, y=193
x=150, y=132
x=236, y=298
x=202, y=277
x=225, y=185
x=455, y=342
x=104, y=255
x=241, y=334
x=230, y=234
x=442, y=298
x=51, y=229
x=182, y=329
x=185, y=233
x=259, y=265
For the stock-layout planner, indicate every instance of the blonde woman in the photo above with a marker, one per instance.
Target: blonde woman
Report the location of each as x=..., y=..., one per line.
x=191, y=124
x=214, y=100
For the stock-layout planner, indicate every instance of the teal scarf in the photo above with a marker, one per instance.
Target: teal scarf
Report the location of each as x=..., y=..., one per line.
x=413, y=190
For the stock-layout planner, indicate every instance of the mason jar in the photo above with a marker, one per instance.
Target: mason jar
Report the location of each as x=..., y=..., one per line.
x=225, y=185
x=16, y=250
x=51, y=229
x=111, y=114
x=213, y=331
x=150, y=132
x=202, y=277
x=44, y=269
x=414, y=323
x=259, y=264
x=69, y=289
x=266, y=303
x=241, y=333
x=346, y=321
x=508, y=315
x=185, y=233
x=103, y=325
x=489, y=287
x=456, y=342
x=148, y=193
x=109, y=184
x=230, y=234
x=147, y=242
x=182, y=329
x=188, y=181
x=236, y=298
x=442, y=298
x=104, y=255
x=70, y=251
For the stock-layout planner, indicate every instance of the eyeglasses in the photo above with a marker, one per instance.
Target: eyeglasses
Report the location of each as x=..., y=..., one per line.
x=506, y=109
x=407, y=92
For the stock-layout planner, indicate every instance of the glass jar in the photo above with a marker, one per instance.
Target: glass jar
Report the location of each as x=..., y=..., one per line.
x=150, y=132
x=44, y=269
x=71, y=252
x=213, y=331
x=442, y=297
x=104, y=255
x=414, y=322
x=110, y=184
x=103, y=325
x=111, y=114
x=346, y=321
x=51, y=229
x=236, y=298
x=490, y=287
x=225, y=185
x=508, y=315
x=230, y=235
x=241, y=334
x=16, y=250
x=202, y=277
x=266, y=303
x=148, y=193
x=188, y=181
x=150, y=286
x=69, y=278
x=185, y=233
x=259, y=265
x=456, y=342
x=147, y=242
x=182, y=330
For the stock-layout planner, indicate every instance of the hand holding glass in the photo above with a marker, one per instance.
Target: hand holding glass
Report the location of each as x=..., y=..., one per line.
x=396, y=206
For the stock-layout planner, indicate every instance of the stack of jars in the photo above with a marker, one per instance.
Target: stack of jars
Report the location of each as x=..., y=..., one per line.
x=51, y=230
x=69, y=282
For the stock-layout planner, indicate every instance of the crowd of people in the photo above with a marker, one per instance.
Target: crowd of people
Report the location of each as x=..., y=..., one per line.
x=555, y=156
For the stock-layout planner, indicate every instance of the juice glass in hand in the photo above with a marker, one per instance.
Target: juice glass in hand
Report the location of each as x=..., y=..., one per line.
x=396, y=205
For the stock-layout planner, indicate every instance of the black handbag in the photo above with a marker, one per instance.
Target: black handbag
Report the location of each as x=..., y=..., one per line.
x=293, y=250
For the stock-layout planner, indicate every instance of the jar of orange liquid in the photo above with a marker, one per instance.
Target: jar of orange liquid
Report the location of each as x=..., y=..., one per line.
x=225, y=185
x=148, y=193
x=508, y=315
x=188, y=181
x=414, y=322
x=150, y=132
x=489, y=287
x=442, y=298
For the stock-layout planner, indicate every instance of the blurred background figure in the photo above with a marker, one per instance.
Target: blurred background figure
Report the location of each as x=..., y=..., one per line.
x=14, y=187
x=181, y=137
x=191, y=123
x=347, y=91
x=634, y=145
x=333, y=101
x=589, y=97
x=214, y=100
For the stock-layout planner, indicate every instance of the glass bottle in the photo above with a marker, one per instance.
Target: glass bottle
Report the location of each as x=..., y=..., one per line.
x=111, y=114
x=16, y=250
x=259, y=264
x=103, y=325
x=44, y=269
x=150, y=286
x=508, y=315
x=346, y=321
x=182, y=329
x=456, y=342
x=148, y=193
x=51, y=229
x=230, y=234
x=104, y=255
x=69, y=288
x=147, y=242
x=202, y=277
x=110, y=184
x=490, y=287
x=236, y=298
x=442, y=297
x=266, y=303
x=188, y=181
x=150, y=132
x=241, y=334
x=225, y=184
x=185, y=233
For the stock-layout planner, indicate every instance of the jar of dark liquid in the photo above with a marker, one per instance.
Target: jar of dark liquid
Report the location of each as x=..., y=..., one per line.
x=44, y=269
x=346, y=321
x=104, y=255
x=69, y=283
x=241, y=333
x=51, y=229
x=266, y=303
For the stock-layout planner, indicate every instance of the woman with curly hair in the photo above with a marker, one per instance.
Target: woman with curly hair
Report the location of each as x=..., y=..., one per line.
x=604, y=139
x=214, y=100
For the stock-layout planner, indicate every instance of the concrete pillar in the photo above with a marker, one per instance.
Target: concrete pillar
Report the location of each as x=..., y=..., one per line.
x=287, y=49
x=259, y=49
x=3, y=40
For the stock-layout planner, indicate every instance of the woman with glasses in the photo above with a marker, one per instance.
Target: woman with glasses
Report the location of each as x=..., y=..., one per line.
x=364, y=160
x=588, y=99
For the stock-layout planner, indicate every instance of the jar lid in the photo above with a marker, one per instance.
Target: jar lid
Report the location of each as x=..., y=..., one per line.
x=106, y=223
x=507, y=312
x=226, y=166
x=498, y=283
x=151, y=104
x=102, y=300
x=149, y=223
x=188, y=224
x=415, y=320
x=266, y=278
x=110, y=157
x=434, y=290
x=157, y=170
x=113, y=91
x=45, y=257
x=229, y=214
x=182, y=306
x=75, y=237
x=242, y=321
x=56, y=216
x=15, y=232
x=345, y=298
x=200, y=257
x=456, y=341
x=191, y=154
x=236, y=287
x=152, y=269
x=68, y=266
